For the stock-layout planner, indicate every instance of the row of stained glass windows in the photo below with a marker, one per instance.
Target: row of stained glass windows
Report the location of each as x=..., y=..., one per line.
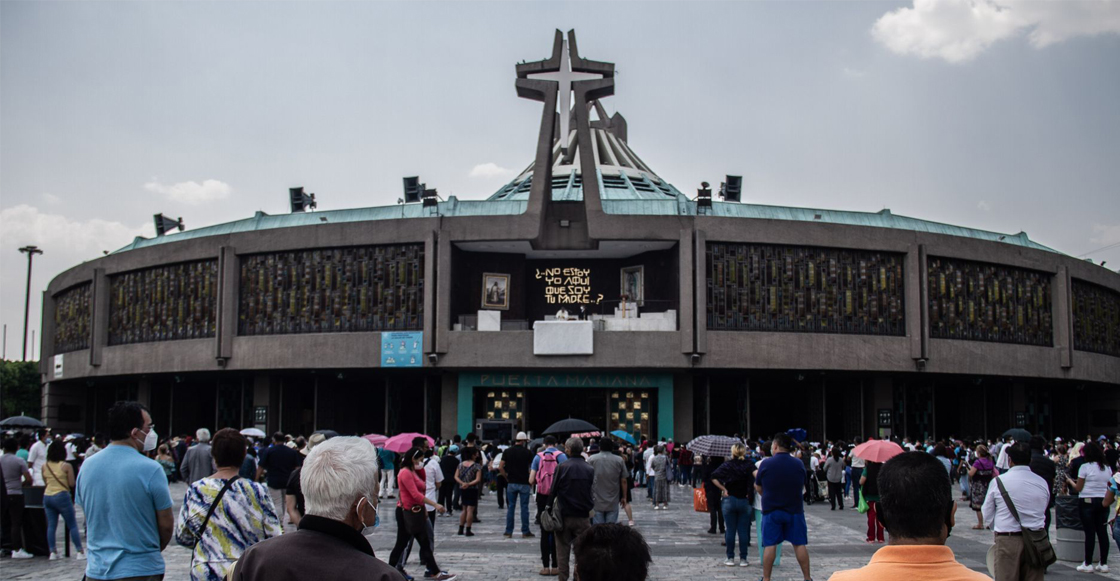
x=1096, y=319
x=72, y=314
x=164, y=303
x=988, y=302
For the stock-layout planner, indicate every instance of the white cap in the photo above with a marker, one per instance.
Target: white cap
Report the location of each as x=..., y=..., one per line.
x=521, y=436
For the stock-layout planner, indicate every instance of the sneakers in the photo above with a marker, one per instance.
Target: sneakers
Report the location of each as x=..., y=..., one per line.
x=1101, y=568
x=631, y=523
x=441, y=576
x=1084, y=567
x=21, y=554
x=743, y=562
x=81, y=556
x=54, y=557
x=730, y=563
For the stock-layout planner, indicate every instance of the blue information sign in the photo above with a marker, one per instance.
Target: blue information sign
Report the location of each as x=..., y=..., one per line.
x=402, y=349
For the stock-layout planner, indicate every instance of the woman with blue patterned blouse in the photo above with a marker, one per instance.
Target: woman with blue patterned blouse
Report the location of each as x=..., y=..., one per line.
x=244, y=515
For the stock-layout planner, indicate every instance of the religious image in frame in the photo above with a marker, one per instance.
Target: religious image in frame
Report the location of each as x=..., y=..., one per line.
x=495, y=291
x=633, y=283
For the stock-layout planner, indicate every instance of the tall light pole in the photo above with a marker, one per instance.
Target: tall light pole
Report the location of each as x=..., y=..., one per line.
x=31, y=252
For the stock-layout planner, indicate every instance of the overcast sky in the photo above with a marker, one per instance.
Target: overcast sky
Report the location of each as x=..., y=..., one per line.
x=998, y=115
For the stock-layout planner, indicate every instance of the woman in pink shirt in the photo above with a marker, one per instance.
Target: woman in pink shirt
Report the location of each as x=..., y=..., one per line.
x=412, y=519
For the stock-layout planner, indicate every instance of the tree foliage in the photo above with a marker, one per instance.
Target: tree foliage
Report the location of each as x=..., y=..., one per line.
x=20, y=391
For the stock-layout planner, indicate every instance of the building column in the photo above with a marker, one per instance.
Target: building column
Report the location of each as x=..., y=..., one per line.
x=144, y=391
x=449, y=405
x=100, y=307
x=262, y=397
x=882, y=398
x=1062, y=307
x=683, y=430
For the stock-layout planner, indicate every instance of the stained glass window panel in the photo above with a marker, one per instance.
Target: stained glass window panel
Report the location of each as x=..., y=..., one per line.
x=762, y=287
x=977, y=301
x=1096, y=319
x=72, y=318
x=164, y=303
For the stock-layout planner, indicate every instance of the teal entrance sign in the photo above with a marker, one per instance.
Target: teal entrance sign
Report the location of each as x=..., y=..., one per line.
x=661, y=382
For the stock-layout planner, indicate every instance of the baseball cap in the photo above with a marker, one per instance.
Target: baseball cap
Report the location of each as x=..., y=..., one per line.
x=453, y=449
x=521, y=436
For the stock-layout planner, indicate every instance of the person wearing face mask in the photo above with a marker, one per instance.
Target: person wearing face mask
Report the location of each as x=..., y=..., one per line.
x=916, y=506
x=126, y=501
x=339, y=480
x=412, y=519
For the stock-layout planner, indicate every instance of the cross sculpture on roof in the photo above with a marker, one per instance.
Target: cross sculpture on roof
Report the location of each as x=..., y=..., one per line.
x=556, y=78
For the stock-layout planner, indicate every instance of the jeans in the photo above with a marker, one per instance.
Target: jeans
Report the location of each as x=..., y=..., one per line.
x=605, y=517
x=57, y=505
x=686, y=475
x=737, y=515
x=1093, y=515
x=513, y=492
x=857, y=473
x=1116, y=532
x=847, y=480
x=649, y=486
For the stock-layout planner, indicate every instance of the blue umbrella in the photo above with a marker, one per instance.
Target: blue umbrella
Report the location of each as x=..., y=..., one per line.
x=798, y=434
x=622, y=435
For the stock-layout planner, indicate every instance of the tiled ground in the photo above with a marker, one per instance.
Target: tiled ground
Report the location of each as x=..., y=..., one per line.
x=681, y=547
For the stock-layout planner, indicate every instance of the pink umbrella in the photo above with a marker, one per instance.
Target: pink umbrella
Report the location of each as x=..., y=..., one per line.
x=376, y=439
x=877, y=450
x=402, y=442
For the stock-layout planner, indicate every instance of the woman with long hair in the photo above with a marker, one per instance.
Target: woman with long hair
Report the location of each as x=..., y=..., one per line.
x=735, y=480
x=412, y=518
x=1061, y=467
x=58, y=474
x=469, y=478
x=243, y=513
x=1092, y=483
x=979, y=477
x=834, y=473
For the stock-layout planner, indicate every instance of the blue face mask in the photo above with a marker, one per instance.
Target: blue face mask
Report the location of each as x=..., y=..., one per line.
x=367, y=530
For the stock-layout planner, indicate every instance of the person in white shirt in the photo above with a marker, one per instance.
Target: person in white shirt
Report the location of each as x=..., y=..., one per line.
x=1031, y=495
x=37, y=457
x=1001, y=456
x=1091, y=485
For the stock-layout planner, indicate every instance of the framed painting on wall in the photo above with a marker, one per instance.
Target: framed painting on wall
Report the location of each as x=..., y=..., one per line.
x=633, y=282
x=495, y=291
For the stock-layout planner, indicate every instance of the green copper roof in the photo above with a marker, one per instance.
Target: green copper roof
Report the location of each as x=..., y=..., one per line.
x=627, y=200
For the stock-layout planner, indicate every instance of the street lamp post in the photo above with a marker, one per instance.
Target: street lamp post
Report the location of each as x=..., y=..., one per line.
x=31, y=252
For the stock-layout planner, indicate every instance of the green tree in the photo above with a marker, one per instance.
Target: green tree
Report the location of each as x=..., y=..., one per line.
x=20, y=391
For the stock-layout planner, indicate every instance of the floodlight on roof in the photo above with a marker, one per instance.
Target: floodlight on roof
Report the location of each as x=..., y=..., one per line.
x=300, y=201
x=163, y=224
x=732, y=189
x=412, y=189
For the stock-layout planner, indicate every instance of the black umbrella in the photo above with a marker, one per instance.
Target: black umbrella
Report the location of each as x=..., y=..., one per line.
x=21, y=421
x=1017, y=434
x=534, y=444
x=571, y=426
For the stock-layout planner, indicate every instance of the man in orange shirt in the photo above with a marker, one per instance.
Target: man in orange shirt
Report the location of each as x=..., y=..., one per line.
x=916, y=507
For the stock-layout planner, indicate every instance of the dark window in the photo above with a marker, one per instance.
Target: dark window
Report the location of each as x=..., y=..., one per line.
x=164, y=303
x=72, y=318
x=977, y=301
x=1096, y=319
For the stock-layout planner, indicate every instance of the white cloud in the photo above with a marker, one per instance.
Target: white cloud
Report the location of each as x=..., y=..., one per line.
x=491, y=170
x=959, y=30
x=985, y=206
x=52, y=199
x=1106, y=235
x=60, y=236
x=191, y=192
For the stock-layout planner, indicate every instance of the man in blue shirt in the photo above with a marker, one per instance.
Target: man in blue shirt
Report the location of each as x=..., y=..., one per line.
x=780, y=481
x=126, y=501
x=279, y=460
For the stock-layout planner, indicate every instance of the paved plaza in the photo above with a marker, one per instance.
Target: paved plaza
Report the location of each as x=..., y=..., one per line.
x=682, y=549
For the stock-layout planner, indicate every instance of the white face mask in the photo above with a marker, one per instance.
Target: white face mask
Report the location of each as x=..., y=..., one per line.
x=151, y=440
x=367, y=530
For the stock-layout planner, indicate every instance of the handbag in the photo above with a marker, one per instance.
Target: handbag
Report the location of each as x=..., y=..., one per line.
x=862, y=507
x=1036, y=542
x=197, y=536
x=699, y=499
x=551, y=519
x=415, y=520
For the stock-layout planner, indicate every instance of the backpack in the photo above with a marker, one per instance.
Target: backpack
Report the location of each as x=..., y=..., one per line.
x=546, y=471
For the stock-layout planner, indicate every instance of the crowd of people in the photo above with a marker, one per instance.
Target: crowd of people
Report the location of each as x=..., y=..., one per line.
x=294, y=507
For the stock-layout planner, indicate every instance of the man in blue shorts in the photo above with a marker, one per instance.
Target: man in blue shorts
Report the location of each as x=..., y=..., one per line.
x=780, y=481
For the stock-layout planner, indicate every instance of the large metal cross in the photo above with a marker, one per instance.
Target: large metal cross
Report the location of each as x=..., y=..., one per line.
x=564, y=78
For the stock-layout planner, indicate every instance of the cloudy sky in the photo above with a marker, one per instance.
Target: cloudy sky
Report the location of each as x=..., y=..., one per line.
x=994, y=114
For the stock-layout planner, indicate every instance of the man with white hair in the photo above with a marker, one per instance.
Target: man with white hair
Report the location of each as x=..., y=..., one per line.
x=340, y=482
x=198, y=463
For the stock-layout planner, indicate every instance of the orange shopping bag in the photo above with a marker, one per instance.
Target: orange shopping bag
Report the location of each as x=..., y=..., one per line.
x=699, y=499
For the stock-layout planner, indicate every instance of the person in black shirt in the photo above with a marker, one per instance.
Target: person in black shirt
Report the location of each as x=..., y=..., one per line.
x=514, y=468
x=735, y=480
x=715, y=510
x=279, y=460
x=448, y=465
x=1044, y=467
x=572, y=489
